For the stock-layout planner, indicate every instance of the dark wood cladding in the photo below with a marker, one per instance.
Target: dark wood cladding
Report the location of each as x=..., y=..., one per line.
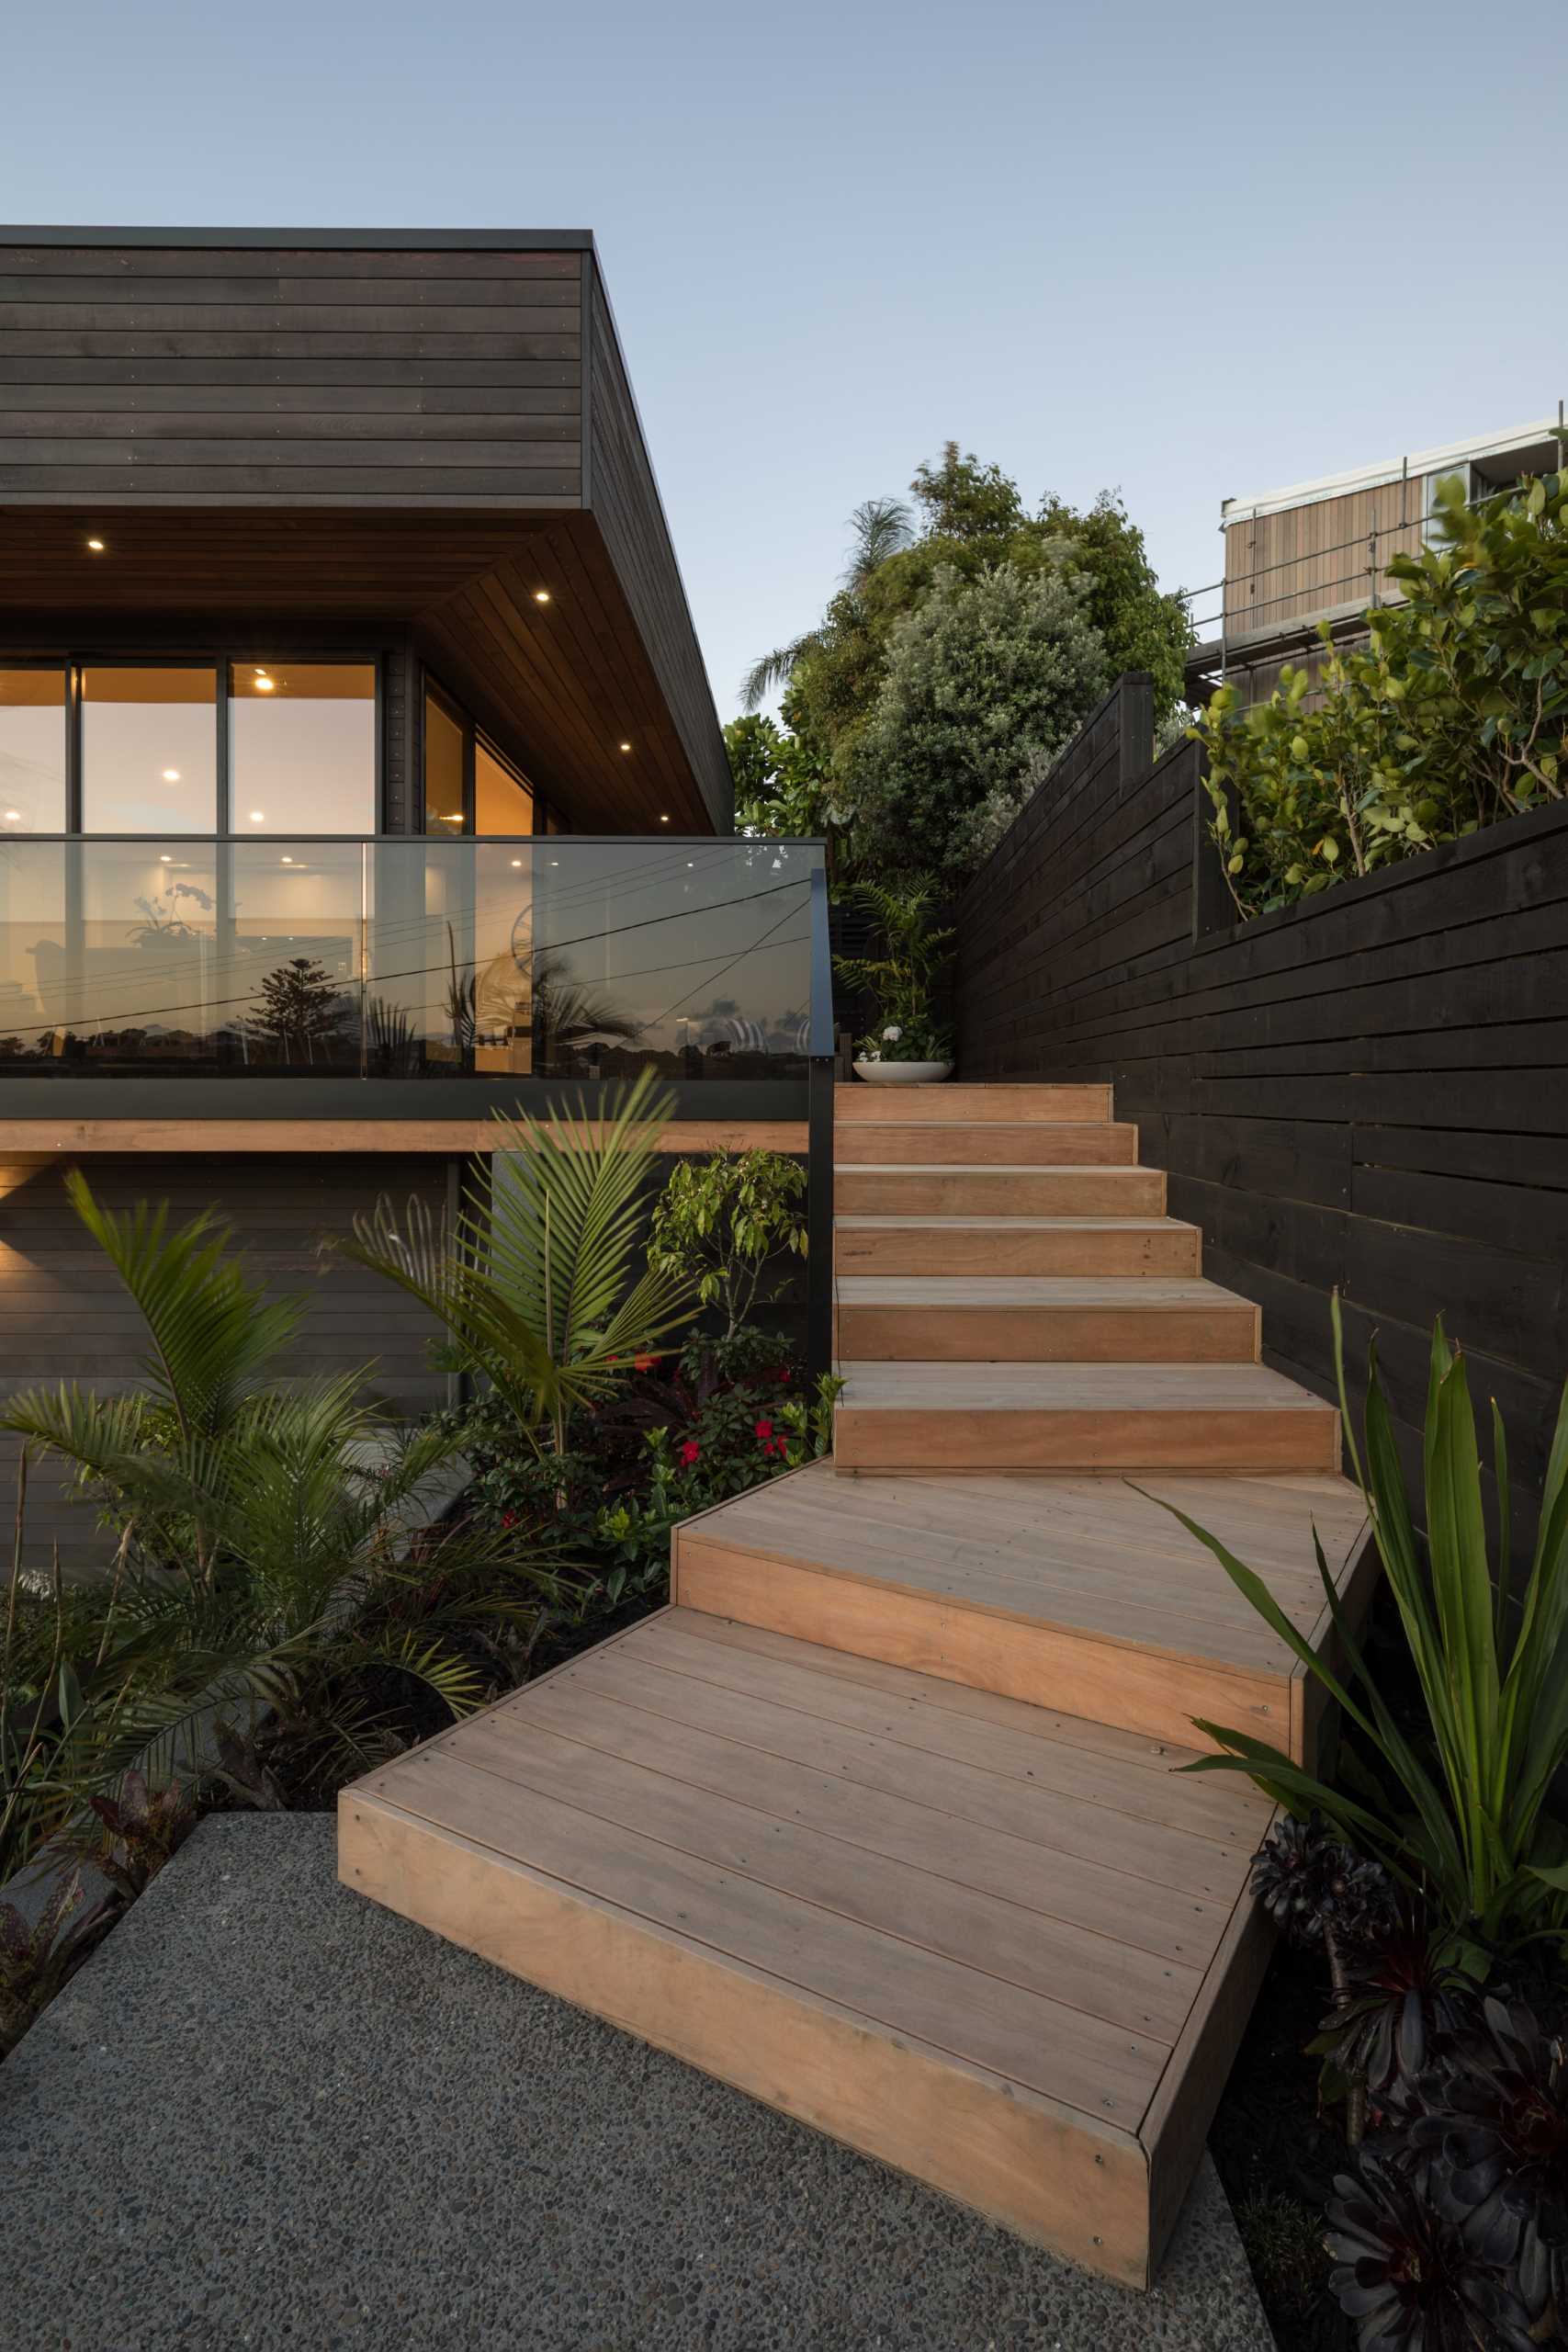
x=625, y=504
x=162, y=375
x=1368, y=1092
x=64, y=1316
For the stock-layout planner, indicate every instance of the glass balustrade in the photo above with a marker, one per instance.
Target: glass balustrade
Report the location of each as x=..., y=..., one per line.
x=328, y=958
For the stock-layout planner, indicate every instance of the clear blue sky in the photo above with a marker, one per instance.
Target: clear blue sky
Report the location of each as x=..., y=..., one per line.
x=1185, y=251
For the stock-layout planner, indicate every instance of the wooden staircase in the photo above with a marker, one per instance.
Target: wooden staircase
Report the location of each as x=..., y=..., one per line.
x=882, y=1820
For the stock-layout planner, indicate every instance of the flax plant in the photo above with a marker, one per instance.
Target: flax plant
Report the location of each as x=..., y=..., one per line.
x=1461, y=1811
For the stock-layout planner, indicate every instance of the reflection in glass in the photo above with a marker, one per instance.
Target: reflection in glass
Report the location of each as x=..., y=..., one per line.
x=149, y=750
x=302, y=747
x=504, y=801
x=406, y=958
x=32, y=752
x=443, y=765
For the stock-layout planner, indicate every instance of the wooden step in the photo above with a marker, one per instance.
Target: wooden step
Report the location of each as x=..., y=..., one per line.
x=997, y=1947
x=1077, y=1593
x=942, y=1417
x=864, y=1104
x=995, y=1246
x=879, y=1190
x=1020, y=1143
x=1041, y=1318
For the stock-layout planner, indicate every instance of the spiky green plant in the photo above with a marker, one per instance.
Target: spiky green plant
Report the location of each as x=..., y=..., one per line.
x=1462, y=1813
x=542, y=1285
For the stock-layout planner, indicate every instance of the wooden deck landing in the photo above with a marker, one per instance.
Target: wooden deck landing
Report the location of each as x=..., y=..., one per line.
x=976, y=1940
x=881, y=1821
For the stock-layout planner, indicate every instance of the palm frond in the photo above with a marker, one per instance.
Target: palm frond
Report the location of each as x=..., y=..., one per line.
x=879, y=527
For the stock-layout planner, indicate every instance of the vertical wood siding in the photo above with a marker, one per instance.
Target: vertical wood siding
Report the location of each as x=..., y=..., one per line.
x=1318, y=557
x=1369, y=1092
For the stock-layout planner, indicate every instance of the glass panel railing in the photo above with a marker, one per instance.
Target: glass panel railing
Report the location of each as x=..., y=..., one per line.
x=408, y=958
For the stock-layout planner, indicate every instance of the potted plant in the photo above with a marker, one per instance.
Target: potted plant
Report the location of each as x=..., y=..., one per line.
x=904, y=1046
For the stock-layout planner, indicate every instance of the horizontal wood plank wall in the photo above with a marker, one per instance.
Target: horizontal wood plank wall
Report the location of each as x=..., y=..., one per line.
x=297, y=377
x=1367, y=1091
x=623, y=499
x=64, y=1315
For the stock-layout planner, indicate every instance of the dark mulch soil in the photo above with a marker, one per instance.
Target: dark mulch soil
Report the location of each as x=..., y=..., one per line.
x=1278, y=2160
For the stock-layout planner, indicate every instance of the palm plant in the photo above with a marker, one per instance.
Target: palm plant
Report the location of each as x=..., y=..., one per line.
x=1462, y=1817
x=537, y=1286
x=879, y=527
x=274, y=1576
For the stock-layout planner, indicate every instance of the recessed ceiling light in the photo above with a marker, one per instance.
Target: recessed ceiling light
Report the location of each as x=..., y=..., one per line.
x=555, y=861
x=625, y=747
x=517, y=861
x=266, y=686
x=164, y=859
x=664, y=821
x=541, y=595
x=258, y=816
x=286, y=860
x=13, y=816
x=171, y=775
x=95, y=546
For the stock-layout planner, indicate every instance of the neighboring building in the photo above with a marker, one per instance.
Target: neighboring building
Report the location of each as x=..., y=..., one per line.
x=1317, y=552
x=332, y=575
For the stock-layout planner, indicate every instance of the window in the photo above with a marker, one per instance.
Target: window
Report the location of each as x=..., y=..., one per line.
x=302, y=747
x=445, y=765
x=32, y=751
x=503, y=800
x=149, y=750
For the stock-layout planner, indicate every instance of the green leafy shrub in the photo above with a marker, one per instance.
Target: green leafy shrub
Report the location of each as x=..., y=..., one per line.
x=984, y=677
x=1454, y=715
x=721, y=1225
x=38, y=1956
x=904, y=977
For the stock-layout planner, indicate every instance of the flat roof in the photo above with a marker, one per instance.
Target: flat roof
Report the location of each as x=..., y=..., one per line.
x=299, y=240
x=1414, y=462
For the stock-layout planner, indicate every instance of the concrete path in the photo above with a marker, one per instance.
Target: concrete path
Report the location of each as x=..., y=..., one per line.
x=267, y=2114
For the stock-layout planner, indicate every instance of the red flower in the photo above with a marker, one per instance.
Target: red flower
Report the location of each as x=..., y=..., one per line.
x=644, y=1363
x=764, y=1428
x=508, y=1519
x=690, y=1452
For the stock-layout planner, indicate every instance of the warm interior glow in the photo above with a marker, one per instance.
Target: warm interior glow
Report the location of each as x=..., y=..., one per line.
x=164, y=858
x=258, y=816
x=286, y=860
x=264, y=685
x=517, y=861
x=541, y=595
x=13, y=816
x=664, y=821
x=625, y=747
x=96, y=546
x=171, y=775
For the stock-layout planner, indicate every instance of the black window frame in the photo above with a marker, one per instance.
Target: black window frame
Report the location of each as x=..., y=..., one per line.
x=222, y=660
x=432, y=686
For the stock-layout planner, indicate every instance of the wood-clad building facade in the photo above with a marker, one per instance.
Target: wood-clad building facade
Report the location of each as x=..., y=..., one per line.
x=349, y=698
x=1317, y=553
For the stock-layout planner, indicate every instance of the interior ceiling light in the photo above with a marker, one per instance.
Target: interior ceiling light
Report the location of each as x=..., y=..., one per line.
x=265, y=684
x=517, y=861
x=541, y=595
x=164, y=859
x=664, y=821
x=95, y=547
x=258, y=816
x=13, y=816
x=625, y=747
x=171, y=775
x=286, y=860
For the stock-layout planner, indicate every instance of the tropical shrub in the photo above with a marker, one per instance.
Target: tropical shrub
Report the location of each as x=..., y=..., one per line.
x=535, y=1280
x=39, y=1955
x=903, y=980
x=721, y=1225
x=1461, y=1814
x=725, y=1416
x=1453, y=716
x=984, y=677
x=278, y=1582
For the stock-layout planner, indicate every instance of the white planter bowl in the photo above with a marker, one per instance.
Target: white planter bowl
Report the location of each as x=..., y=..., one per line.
x=903, y=1073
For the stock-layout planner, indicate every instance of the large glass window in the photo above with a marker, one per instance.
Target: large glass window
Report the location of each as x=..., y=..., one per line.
x=503, y=800
x=32, y=751
x=445, y=765
x=302, y=747
x=149, y=750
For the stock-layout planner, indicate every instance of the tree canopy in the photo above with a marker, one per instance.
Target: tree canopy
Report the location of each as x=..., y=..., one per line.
x=969, y=544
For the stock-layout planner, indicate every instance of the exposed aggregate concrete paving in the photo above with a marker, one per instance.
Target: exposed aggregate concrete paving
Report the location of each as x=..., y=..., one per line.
x=269, y=2114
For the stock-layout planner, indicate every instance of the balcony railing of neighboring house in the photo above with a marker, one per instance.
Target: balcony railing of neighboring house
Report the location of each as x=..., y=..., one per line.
x=1272, y=607
x=392, y=978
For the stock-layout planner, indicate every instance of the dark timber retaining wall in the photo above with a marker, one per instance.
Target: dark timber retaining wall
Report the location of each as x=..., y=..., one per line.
x=1369, y=1091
